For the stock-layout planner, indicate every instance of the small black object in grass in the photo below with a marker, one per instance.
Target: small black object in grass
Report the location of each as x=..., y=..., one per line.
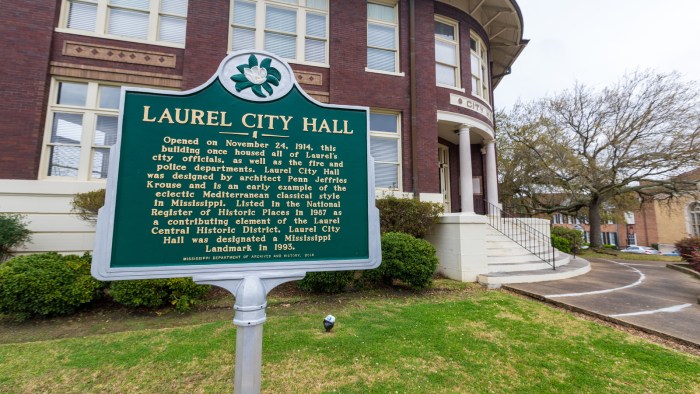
x=329, y=322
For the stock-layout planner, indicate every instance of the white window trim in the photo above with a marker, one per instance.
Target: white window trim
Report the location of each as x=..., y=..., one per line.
x=260, y=8
x=101, y=25
x=485, y=80
x=458, y=68
x=397, y=137
x=395, y=74
x=397, y=40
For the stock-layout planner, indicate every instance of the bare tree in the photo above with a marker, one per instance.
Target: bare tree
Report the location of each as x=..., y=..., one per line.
x=587, y=148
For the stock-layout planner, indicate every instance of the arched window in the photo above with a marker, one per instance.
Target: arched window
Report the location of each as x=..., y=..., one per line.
x=694, y=211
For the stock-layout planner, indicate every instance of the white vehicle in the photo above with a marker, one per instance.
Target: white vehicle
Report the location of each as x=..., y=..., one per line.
x=640, y=250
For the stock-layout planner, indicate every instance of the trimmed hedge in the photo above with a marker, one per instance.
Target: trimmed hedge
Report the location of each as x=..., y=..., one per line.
x=327, y=282
x=407, y=215
x=46, y=284
x=565, y=239
x=410, y=260
x=182, y=293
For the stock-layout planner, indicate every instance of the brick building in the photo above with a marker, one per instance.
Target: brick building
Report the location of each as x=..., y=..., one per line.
x=426, y=69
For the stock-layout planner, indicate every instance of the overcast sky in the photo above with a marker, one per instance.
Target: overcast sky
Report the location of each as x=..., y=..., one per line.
x=597, y=41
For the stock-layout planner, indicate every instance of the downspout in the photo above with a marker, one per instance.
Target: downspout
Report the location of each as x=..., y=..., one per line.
x=414, y=105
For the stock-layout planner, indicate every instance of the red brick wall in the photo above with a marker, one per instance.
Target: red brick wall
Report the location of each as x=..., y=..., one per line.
x=26, y=30
x=206, y=41
x=25, y=40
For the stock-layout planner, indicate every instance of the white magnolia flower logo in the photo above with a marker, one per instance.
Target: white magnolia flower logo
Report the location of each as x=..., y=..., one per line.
x=257, y=77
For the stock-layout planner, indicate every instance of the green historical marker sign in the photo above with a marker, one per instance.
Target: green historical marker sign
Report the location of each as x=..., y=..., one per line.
x=246, y=173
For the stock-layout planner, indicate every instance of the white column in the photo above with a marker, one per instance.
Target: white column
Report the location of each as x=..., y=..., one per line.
x=465, y=170
x=491, y=173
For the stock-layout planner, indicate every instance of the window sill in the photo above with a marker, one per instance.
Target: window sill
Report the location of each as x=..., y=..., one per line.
x=451, y=87
x=118, y=38
x=394, y=74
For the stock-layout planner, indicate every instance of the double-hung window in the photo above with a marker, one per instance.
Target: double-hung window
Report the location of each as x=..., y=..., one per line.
x=385, y=148
x=694, y=211
x=382, y=37
x=479, y=68
x=158, y=21
x=81, y=127
x=296, y=30
x=447, y=53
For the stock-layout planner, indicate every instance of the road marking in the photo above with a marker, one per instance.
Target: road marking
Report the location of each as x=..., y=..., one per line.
x=637, y=283
x=671, y=309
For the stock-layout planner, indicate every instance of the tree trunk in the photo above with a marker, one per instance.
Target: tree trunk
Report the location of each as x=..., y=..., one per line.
x=594, y=222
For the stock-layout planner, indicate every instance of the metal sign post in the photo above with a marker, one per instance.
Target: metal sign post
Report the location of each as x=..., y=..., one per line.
x=245, y=182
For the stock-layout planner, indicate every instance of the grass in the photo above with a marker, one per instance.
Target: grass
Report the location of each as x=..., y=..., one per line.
x=453, y=338
x=616, y=254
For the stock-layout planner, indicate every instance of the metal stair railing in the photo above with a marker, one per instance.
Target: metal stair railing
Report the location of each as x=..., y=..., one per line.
x=530, y=238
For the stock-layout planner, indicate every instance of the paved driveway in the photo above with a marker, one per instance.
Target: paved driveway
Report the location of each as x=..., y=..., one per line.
x=645, y=294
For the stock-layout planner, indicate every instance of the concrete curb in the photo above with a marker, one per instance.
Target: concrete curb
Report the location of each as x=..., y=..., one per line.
x=684, y=269
x=603, y=317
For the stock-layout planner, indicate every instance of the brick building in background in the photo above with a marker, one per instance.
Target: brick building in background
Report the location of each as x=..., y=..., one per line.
x=426, y=69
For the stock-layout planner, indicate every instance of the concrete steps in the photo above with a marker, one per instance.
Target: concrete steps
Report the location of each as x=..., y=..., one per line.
x=509, y=262
x=575, y=268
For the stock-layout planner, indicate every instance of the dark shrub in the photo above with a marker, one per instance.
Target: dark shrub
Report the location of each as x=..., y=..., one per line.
x=46, y=284
x=87, y=205
x=407, y=259
x=561, y=243
x=326, y=282
x=182, y=293
x=406, y=215
x=574, y=237
x=13, y=233
x=689, y=249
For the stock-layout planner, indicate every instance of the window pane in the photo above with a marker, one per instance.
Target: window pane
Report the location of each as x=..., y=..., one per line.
x=66, y=128
x=175, y=7
x=64, y=161
x=281, y=45
x=316, y=25
x=444, y=31
x=100, y=163
x=445, y=53
x=106, y=130
x=381, y=12
x=138, y=4
x=128, y=23
x=384, y=149
x=383, y=122
x=472, y=44
x=317, y=4
x=71, y=93
x=386, y=175
x=242, y=39
x=475, y=66
x=381, y=36
x=172, y=29
x=475, y=86
x=109, y=96
x=244, y=13
x=279, y=19
x=315, y=51
x=381, y=59
x=82, y=16
x=445, y=75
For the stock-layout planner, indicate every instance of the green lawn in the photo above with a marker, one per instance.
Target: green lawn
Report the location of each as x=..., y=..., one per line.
x=454, y=338
x=616, y=254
